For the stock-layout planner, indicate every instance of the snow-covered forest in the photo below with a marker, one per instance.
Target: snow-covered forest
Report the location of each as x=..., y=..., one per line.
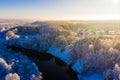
x=91, y=48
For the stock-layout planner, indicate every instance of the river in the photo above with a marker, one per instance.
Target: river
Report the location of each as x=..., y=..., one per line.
x=51, y=67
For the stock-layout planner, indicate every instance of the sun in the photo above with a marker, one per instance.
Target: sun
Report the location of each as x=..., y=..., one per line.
x=116, y=1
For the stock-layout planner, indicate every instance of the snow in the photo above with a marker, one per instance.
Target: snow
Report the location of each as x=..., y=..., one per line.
x=95, y=77
x=87, y=49
x=11, y=76
x=14, y=66
x=54, y=51
x=4, y=65
x=78, y=66
x=64, y=56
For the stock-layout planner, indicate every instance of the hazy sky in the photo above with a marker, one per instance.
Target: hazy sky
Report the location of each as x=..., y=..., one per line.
x=60, y=9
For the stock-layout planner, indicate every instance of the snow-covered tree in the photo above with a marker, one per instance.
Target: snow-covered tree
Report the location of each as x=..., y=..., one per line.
x=11, y=35
x=13, y=76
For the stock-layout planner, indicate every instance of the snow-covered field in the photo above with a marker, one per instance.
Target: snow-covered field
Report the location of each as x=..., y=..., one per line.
x=91, y=48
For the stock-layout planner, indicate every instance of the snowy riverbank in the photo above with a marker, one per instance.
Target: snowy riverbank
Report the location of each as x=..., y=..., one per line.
x=16, y=66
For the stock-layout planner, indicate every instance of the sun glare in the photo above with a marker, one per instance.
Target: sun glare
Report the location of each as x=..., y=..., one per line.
x=115, y=1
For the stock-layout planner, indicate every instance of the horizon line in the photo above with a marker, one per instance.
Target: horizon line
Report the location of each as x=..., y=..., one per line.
x=60, y=19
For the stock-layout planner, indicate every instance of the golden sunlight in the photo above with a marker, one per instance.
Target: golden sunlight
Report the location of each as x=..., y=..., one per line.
x=116, y=1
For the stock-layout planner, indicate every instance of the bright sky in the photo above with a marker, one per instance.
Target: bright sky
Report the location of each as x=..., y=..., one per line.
x=60, y=9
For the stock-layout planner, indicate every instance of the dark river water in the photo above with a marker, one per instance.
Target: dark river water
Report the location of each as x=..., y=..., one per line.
x=51, y=67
